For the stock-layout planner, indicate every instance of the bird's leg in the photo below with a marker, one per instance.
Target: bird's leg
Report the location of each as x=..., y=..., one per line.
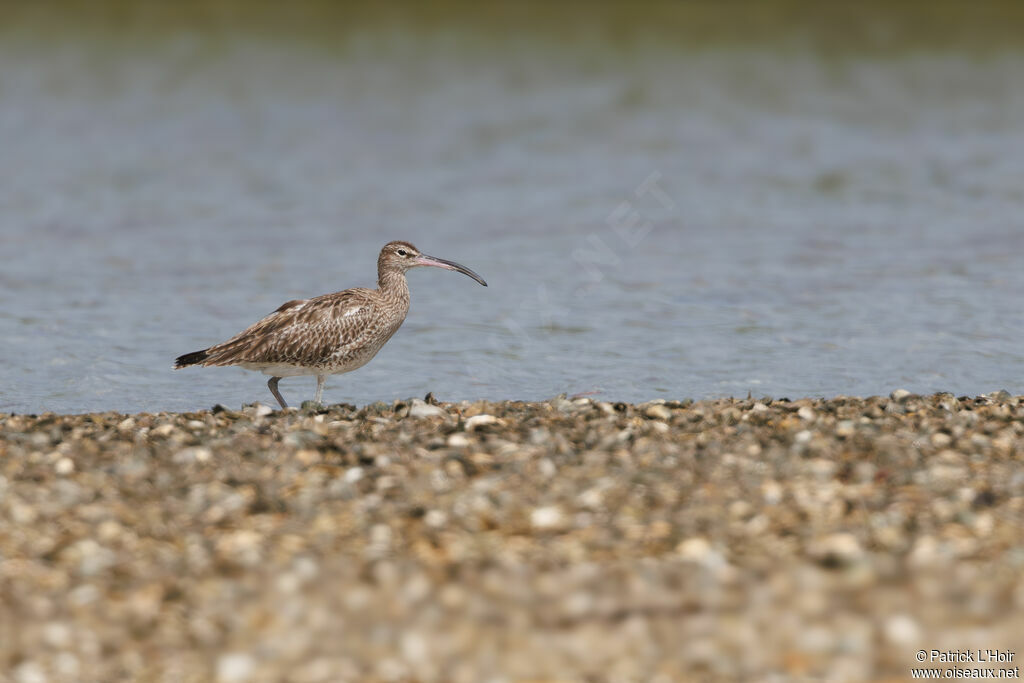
x=320, y=379
x=272, y=383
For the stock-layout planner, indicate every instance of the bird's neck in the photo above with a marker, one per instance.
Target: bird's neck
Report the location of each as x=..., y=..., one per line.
x=392, y=284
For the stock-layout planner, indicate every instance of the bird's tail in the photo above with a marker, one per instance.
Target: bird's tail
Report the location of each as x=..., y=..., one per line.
x=191, y=358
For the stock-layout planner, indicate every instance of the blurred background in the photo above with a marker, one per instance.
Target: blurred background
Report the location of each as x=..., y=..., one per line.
x=667, y=199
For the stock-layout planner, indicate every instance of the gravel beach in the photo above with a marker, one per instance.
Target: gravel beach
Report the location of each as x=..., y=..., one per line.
x=570, y=539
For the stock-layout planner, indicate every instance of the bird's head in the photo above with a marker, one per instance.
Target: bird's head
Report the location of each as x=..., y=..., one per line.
x=401, y=256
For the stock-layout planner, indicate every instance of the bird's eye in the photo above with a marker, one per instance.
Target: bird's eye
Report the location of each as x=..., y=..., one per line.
x=403, y=252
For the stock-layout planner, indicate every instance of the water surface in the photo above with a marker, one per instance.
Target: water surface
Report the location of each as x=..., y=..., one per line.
x=657, y=220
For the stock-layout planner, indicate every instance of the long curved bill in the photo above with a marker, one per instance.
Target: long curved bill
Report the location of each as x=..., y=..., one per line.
x=424, y=260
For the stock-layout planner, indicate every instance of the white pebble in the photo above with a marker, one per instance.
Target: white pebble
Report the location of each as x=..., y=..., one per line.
x=30, y=672
x=435, y=518
x=592, y=498
x=194, y=454
x=415, y=647
x=771, y=491
x=658, y=412
x=236, y=666
x=901, y=629
x=458, y=441
x=695, y=549
x=165, y=429
x=420, y=409
x=478, y=421
x=547, y=518
x=659, y=427
x=842, y=548
x=57, y=634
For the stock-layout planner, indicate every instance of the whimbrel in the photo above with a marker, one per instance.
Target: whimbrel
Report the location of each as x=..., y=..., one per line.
x=328, y=334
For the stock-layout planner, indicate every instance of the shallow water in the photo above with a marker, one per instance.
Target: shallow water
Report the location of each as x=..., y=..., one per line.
x=653, y=222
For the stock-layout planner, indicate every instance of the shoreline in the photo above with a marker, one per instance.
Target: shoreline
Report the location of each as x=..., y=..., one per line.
x=721, y=539
x=401, y=405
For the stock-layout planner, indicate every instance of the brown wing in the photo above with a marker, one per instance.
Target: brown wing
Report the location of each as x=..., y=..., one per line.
x=304, y=332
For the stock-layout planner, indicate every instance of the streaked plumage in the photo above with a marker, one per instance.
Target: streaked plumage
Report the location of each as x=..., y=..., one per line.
x=328, y=334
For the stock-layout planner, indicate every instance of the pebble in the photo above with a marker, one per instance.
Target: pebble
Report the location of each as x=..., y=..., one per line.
x=547, y=518
x=195, y=454
x=900, y=395
x=658, y=412
x=235, y=667
x=458, y=440
x=163, y=430
x=902, y=630
x=435, y=518
x=772, y=492
x=562, y=405
x=696, y=549
x=608, y=528
x=479, y=421
x=659, y=427
x=30, y=672
x=841, y=550
x=592, y=498
x=422, y=409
